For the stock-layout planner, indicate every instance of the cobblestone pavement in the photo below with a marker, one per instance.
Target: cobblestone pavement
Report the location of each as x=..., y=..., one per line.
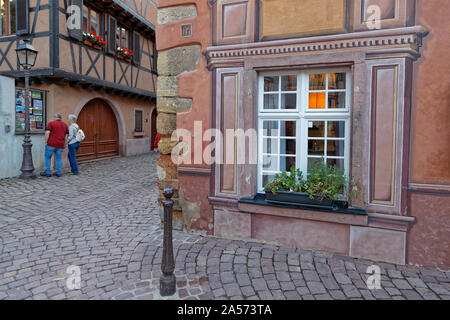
x=106, y=221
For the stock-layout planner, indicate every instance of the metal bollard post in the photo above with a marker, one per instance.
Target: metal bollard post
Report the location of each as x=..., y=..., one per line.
x=167, y=281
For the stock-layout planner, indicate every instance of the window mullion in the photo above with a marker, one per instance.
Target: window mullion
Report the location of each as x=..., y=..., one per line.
x=279, y=93
x=326, y=92
x=260, y=151
x=279, y=146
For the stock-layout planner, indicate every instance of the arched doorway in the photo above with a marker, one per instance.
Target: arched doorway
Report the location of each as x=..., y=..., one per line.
x=153, y=129
x=99, y=124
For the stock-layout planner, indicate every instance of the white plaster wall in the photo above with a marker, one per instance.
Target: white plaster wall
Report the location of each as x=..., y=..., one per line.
x=11, y=144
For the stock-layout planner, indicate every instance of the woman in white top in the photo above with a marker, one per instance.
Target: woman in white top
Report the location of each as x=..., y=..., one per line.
x=73, y=143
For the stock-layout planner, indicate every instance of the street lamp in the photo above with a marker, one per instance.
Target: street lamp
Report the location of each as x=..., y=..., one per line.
x=26, y=56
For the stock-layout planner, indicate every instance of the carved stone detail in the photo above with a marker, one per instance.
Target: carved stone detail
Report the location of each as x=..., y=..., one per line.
x=405, y=41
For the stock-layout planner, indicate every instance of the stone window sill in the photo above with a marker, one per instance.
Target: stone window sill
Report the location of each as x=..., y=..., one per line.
x=138, y=134
x=259, y=205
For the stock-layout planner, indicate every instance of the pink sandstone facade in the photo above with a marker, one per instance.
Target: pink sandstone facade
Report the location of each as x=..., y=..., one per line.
x=214, y=56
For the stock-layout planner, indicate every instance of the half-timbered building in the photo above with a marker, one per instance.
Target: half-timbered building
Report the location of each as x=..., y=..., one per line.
x=96, y=60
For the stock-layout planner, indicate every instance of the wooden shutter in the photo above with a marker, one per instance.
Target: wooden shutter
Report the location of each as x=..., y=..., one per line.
x=111, y=35
x=22, y=17
x=77, y=33
x=136, y=48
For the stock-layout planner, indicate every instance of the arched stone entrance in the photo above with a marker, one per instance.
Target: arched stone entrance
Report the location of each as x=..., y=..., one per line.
x=99, y=124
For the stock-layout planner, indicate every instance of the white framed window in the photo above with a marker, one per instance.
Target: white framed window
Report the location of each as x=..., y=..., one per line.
x=303, y=117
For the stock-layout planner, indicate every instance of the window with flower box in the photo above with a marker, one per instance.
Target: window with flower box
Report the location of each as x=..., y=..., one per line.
x=123, y=41
x=92, y=33
x=303, y=117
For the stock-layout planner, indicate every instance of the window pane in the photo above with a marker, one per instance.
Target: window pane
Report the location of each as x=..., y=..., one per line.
x=267, y=177
x=270, y=101
x=270, y=145
x=270, y=163
x=95, y=22
x=289, y=83
x=287, y=146
x=311, y=162
x=336, y=81
x=317, y=81
x=316, y=147
x=271, y=83
x=124, y=34
x=286, y=163
x=339, y=163
x=138, y=121
x=317, y=100
x=316, y=129
x=12, y=16
x=289, y=101
x=336, y=129
x=335, y=148
x=85, y=19
x=118, y=37
x=2, y=17
x=270, y=128
x=287, y=129
x=336, y=100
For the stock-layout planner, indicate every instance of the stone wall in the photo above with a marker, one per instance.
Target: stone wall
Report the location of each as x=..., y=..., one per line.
x=171, y=64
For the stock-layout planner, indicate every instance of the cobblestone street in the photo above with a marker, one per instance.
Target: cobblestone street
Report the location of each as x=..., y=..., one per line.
x=107, y=222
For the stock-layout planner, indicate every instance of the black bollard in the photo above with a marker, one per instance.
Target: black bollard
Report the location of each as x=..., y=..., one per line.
x=167, y=282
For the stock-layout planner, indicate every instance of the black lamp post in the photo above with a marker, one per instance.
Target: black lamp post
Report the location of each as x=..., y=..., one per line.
x=26, y=56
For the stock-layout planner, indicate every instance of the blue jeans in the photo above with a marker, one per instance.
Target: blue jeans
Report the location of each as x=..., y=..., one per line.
x=48, y=157
x=72, y=156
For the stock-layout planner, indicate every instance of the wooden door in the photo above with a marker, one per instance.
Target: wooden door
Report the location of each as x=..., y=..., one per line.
x=99, y=124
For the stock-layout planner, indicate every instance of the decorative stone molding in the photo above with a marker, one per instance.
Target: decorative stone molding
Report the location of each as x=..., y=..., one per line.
x=391, y=222
x=404, y=41
x=176, y=14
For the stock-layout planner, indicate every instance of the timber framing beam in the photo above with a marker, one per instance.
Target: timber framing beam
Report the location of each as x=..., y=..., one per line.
x=75, y=84
x=75, y=80
x=125, y=14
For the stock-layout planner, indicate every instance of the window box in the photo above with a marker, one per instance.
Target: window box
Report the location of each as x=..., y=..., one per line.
x=123, y=58
x=92, y=45
x=325, y=187
x=88, y=43
x=301, y=198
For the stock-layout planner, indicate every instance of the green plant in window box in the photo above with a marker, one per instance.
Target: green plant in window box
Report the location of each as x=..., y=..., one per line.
x=286, y=181
x=92, y=39
x=325, y=186
x=124, y=53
